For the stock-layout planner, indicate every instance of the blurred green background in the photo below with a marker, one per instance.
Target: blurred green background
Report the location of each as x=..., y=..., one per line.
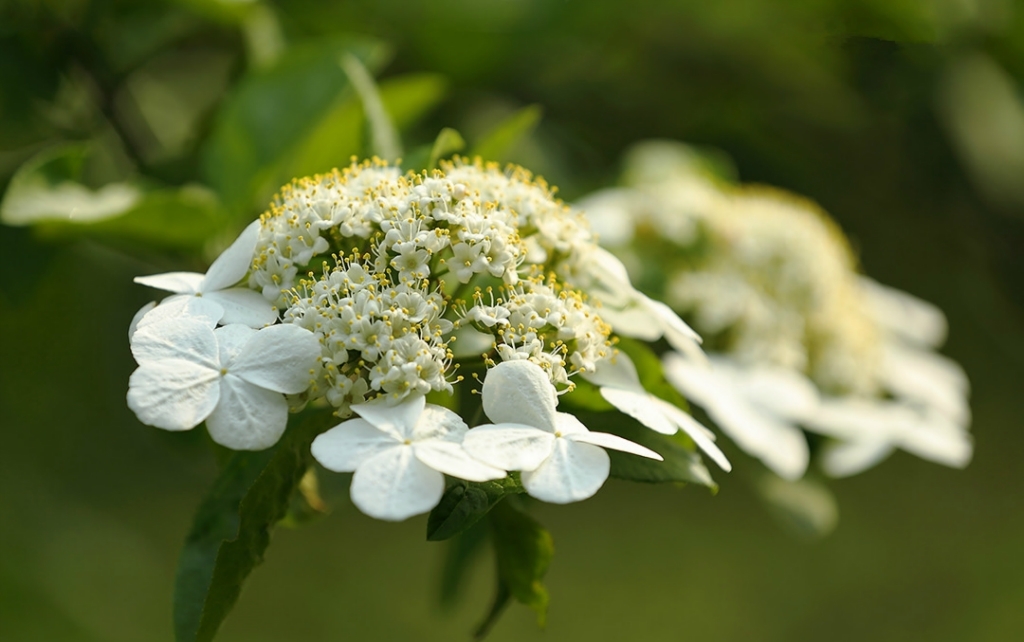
x=903, y=118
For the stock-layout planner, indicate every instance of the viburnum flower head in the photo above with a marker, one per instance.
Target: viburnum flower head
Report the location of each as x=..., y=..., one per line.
x=215, y=294
x=234, y=378
x=400, y=454
x=561, y=460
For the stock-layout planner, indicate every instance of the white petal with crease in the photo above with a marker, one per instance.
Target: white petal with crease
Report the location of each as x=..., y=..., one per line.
x=173, y=394
x=350, y=443
x=394, y=485
x=247, y=417
x=519, y=392
x=509, y=446
x=573, y=472
x=242, y=305
x=233, y=263
x=278, y=358
x=450, y=458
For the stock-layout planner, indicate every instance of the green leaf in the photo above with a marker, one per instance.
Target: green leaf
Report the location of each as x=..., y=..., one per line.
x=448, y=142
x=231, y=531
x=586, y=397
x=459, y=555
x=272, y=111
x=681, y=463
x=338, y=135
x=464, y=503
x=523, y=549
x=500, y=141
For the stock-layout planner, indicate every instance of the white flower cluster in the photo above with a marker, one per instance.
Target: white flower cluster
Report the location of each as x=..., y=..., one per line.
x=544, y=323
x=374, y=275
x=797, y=338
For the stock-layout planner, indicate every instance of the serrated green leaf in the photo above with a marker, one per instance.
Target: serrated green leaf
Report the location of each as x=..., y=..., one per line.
x=464, y=503
x=231, y=531
x=274, y=109
x=523, y=549
x=497, y=144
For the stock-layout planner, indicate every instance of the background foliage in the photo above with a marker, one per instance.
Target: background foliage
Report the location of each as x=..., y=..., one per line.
x=904, y=119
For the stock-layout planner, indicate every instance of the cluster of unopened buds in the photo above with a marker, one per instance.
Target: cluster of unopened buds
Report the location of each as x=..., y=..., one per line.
x=367, y=291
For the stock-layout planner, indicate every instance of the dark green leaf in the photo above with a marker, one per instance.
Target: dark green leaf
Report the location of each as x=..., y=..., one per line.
x=271, y=111
x=232, y=529
x=523, y=549
x=500, y=141
x=459, y=555
x=464, y=503
x=585, y=396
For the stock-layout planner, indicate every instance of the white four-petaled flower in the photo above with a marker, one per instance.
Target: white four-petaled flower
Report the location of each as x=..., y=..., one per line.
x=213, y=294
x=234, y=378
x=398, y=454
x=560, y=459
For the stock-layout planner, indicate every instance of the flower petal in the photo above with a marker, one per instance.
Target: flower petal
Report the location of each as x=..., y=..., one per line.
x=143, y=311
x=639, y=406
x=177, y=282
x=519, y=392
x=183, y=338
x=184, y=305
x=398, y=419
x=438, y=422
x=509, y=446
x=928, y=378
x=781, y=446
x=616, y=371
x=231, y=339
x=242, y=305
x=606, y=440
x=908, y=317
x=843, y=459
x=573, y=472
x=450, y=458
x=346, y=446
x=247, y=417
x=698, y=433
x=278, y=358
x=394, y=485
x=229, y=268
x=173, y=394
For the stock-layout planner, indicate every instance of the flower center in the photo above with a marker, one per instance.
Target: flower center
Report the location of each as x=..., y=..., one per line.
x=223, y=371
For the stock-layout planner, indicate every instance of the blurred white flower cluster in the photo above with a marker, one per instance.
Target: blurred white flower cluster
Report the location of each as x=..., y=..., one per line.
x=364, y=290
x=797, y=339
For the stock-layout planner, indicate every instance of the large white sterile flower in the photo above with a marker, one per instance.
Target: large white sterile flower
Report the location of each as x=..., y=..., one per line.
x=757, y=405
x=398, y=454
x=214, y=294
x=234, y=378
x=619, y=383
x=562, y=461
